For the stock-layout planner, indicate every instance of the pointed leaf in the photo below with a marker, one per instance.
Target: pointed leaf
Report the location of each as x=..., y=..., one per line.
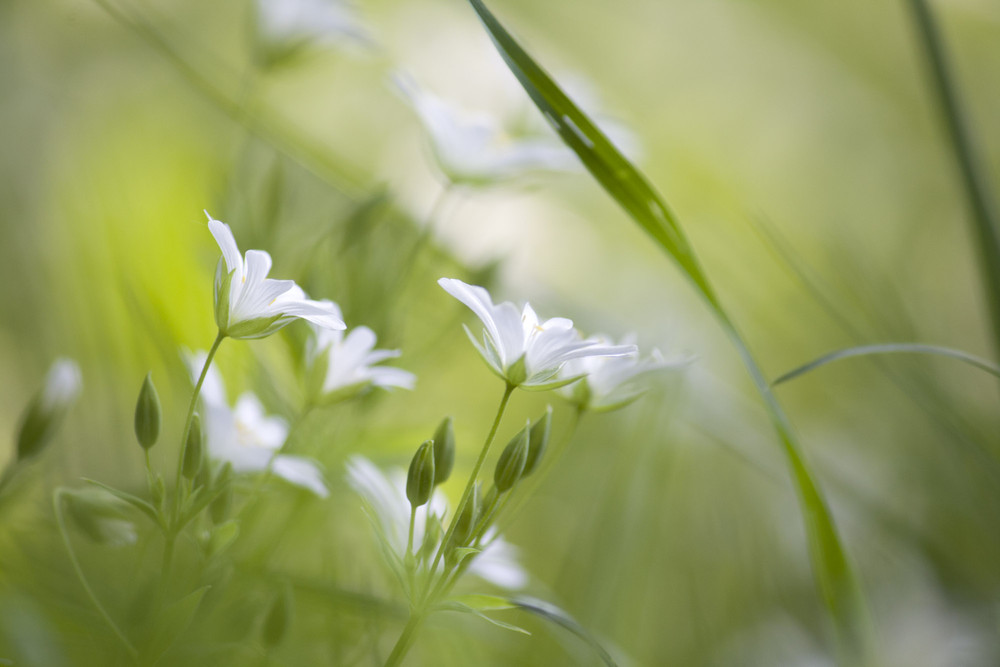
x=551, y=612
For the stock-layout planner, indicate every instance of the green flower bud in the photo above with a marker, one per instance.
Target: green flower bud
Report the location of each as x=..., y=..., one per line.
x=512, y=459
x=47, y=409
x=147, y=414
x=444, y=451
x=218, y=510
x=193, y=449
x=538, y=440
x=420, y=479
x=100, y=516
x=278, y=618
x=158, y=491
x=467, y=519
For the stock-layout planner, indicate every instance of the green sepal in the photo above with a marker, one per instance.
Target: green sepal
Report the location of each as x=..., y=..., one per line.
x=538, y=440
x=444, y=451
x=193, y=449
x=223, y=283
x=511, y=462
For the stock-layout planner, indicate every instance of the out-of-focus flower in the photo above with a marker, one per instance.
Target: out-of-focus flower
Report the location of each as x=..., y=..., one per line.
x=345, y=365
x=609, y=383
x=246, y=437
x=248, y=304
x=385, y=495
x=46, y=411
x=473, y=148
x=289, y=24
x=520, y=348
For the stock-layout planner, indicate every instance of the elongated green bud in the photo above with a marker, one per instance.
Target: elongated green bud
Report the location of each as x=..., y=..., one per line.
x=538, y=440
x=467, y=519
x=512, y=459
x=158, y=491
x=45, y=413
x=444, y=451
x=420, y=480
x=278, y=618
x=219, y=509
x=147, y=414
x=193, y=449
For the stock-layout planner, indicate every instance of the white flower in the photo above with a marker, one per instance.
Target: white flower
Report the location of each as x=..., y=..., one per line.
x=294, y=22
x=520, y=348
x=346, y=363
x=610, y=382
x=62, y=385
x=385, y=495
x=246, y=437
x=473, y=148
x=248, y=304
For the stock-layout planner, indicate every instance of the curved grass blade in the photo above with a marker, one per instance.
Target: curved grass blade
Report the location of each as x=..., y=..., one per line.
x=832, y=571
x=891, y=348
x=554, y=614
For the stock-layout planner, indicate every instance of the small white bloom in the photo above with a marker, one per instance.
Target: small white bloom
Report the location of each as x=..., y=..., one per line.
x=520, y=348
x=473, y=148
x=385, y=495
x=347, y=363
x=290, y=23
x=62, y=385
x=248, y=304
x=246, y=437
x=610, y=382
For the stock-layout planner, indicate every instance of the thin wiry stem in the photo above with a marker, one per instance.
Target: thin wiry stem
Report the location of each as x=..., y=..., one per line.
x=985, y=218
x=57, y=501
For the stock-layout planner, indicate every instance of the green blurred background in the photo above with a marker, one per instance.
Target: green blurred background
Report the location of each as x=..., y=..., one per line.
x=802, y=150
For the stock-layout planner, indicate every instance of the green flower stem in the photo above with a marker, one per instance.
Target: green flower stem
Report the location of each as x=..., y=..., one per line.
x=57, y=499
x=472, y=477
x=187, y=422
x=405, y=640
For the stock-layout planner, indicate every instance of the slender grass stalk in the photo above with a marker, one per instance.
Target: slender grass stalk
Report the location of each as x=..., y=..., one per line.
x=984, y=216
x=834, y=576
x=57, y=502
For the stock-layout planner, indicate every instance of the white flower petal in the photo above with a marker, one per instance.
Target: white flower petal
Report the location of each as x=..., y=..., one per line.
x=227, y=243
x=301, y=472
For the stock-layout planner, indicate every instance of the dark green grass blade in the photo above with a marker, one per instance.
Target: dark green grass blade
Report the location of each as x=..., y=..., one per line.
x=891, y=348
x=834, y=576
x=985, y=218
x=605, y=162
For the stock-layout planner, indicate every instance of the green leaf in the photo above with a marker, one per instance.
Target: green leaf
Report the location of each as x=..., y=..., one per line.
x=613, y=171
x=554, y=614
x=174, y=620
x=136, y=502
x=454, y=605
x=891, y=348
x=483, y=602
x=461, y=553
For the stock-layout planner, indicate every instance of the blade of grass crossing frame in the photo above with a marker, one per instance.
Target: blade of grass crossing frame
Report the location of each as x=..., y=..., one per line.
x=626, y=184
x=891, y=348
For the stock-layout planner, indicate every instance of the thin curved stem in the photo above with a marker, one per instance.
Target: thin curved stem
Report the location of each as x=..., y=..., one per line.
x=475, y=473
x=190, y=415
x=405, y=640
x=57, y=499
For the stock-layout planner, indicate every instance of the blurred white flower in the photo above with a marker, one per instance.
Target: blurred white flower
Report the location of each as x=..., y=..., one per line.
x=62, y=384
x=610, y=382
x=385, y=495
x=472, y=148
x=46, y=411
x=520, y=348
x=248, y=304
x=346, y=363
x=246, y=437
x=291, y=23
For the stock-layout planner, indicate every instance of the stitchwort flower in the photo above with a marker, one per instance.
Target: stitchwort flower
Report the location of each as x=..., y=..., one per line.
x=246, y=437
x=248, y=304
x=345, y=365
x=473, y=148
x=609, y=383
x=48, y=408
x=385, y=497
x=523, y=350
